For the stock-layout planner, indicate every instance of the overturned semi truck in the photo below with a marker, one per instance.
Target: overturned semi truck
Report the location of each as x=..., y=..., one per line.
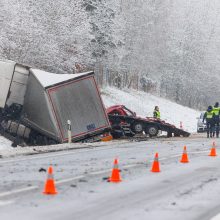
x=35, y=105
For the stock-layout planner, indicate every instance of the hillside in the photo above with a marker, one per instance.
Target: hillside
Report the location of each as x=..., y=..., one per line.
x=143, y=104
x=168, y=48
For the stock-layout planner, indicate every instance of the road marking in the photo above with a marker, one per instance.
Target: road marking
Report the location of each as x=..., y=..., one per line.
x=69, y=179
x=39, y=156
x=71, y=151
x=100, y=172
x=4, y=203
x=150, y=161
x=92, y=173
x=217, y=217
x=18, y=191
x=199, y=152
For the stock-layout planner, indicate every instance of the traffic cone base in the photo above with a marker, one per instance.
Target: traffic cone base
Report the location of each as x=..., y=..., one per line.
x=213, y=152
x=115, y=177
x=155, y=166
x=50, y=187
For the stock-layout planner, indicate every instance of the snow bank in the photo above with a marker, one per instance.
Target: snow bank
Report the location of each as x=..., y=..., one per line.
x=143, y=104
x=4, y=143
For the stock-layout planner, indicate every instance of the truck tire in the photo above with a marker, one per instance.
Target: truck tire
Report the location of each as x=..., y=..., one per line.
x=137, y=127
x=152, y=130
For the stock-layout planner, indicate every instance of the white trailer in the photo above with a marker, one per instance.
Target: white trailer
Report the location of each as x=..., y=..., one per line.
x=39, y=109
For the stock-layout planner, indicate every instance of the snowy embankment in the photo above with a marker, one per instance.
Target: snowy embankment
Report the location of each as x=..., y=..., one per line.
x=143, y=104
x=4, y=143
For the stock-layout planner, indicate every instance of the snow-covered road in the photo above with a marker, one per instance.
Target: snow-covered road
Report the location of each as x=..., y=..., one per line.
x=179, y=191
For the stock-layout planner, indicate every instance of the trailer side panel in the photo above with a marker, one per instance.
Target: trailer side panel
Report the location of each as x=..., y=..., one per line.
x=37, y=109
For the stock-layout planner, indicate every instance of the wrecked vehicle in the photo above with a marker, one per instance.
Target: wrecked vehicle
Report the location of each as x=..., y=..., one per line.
x=125, y=122
x=35, y=105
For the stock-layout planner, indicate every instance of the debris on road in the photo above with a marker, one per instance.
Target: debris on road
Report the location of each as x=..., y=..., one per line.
x=42, y=170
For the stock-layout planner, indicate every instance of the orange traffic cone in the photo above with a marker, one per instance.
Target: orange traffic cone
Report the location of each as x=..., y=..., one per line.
x=115, y=177
x=106, y=137
x=156, y=165
x=50, y=185
x=184, y=158
x=213, y=150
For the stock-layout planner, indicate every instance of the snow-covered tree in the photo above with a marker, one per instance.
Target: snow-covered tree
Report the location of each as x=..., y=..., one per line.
x=166, y=47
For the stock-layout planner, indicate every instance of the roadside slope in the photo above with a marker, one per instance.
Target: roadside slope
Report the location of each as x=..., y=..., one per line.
x=143, y=104
x=4, y=143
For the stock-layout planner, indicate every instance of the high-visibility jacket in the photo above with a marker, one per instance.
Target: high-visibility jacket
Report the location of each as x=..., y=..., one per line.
x=156, y=114
x=209, y=115
x=216, y=110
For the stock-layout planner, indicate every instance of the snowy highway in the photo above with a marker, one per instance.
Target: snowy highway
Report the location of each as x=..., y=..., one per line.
x=179, y=191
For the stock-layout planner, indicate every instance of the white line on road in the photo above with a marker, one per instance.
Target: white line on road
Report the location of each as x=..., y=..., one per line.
x=199, y=152
x=39, y=156
x=93, y=173
x=123, y=167
x=70, y=152
x=69, y=179
x=18, y=191
x=100, y=172
x=4, y=203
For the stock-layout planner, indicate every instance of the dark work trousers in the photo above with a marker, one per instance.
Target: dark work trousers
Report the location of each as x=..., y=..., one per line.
x=210, y=127
x=216, y=125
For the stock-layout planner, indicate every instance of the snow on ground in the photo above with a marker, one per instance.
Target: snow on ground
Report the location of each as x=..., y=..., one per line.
x=4, y=143
x=180, y=191
x=143, y=104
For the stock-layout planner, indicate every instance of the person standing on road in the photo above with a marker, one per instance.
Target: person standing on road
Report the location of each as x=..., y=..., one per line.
x=216, y=111
x=156, y=112
x=209, y=117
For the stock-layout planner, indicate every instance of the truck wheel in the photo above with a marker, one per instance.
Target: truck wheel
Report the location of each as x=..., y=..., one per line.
x=152, y=130
x=137, y=127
